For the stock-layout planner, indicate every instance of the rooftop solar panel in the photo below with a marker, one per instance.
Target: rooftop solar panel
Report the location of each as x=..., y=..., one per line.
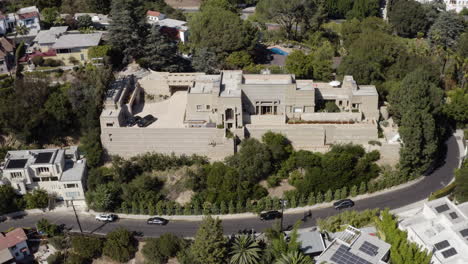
x=449, y=252
x=453, y=215
x=43, y=157
x=442, y=244
x=442, y=208
x=464, y=232
x=343, y=256
x=16, y=163
x=369, y=248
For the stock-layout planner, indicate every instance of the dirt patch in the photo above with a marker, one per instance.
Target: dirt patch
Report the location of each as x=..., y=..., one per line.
x=185, y=197
x=175, y=184
x=139, y=258
x=279, y=190
x=183, y=3
x=106, y=260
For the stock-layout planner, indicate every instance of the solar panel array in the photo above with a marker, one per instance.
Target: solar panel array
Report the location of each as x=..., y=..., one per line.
x=453, y=215
x=442, y=208
x=343, y=256
x=43, y=157
x=449, y=252
x=442, y=244
x=369, y=249
x=16, y=164
x=464, y=232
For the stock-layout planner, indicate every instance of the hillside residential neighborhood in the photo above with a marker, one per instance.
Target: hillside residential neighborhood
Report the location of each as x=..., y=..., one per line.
x=234, y=131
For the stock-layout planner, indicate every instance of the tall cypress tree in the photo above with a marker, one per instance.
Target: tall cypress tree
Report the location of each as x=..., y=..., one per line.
x=209, y=246
x=127, y=30
x=160, y=53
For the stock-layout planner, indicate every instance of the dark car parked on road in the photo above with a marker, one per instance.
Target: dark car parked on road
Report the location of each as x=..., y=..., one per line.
x=341, y=204
x=270, y=215
x=146, y=121
x=133, y=120
x=157, y=221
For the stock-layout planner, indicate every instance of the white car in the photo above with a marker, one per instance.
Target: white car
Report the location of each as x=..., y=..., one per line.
x=106, y=217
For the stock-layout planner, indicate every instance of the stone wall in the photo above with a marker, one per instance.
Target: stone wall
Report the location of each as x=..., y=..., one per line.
x=131, y=141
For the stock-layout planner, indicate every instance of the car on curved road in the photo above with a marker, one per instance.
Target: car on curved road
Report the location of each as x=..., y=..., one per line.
x=341, y=204
x=157, y=221
x=106, y=217
x=270, y=215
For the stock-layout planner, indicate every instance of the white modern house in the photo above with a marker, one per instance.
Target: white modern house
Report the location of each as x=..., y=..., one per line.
x=441, y=227
x=27, y=16
x=61, y=172
x=13, y=246
x=455, y=5
x=175, y=28
x=354, y=246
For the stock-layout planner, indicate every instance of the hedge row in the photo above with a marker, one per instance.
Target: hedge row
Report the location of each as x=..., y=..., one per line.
x=443, y=192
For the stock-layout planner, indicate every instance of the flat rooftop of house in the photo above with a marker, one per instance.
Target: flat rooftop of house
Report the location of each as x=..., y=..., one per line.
x=448, y=210
x=28, y=9
x=354, y=246
x=205, y=84
x=311, y=241
x=172, y=23
x=51, y=35
x=19, y=159
x=70, y=41
x=268, y=79
x=73, y=171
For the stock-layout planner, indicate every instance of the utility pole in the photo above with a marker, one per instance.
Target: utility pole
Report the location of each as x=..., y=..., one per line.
x=283, y=203
x=76, y=215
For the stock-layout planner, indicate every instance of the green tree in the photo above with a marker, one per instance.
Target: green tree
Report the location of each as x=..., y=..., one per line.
x=322, y=60
x=11, y=201
x=461, y=180
x=362, y=188
x=160, y=53
x=86, y=246
x=416, y=106
x=158, y=250
x=364, y=8
x=38, y=198
x=120, y=245
x=84, y=21
x=446, y=30
x=337, y=195
x=104, y=198
x=238, y=60
x=99, y=6
x=205, y=60
x=49, y=16
x=222, y=31
x=457, y=106
x=279, y=146
x=245, y=250
x=91, y=147
x=407, y=19
x=127, y=29
x=354, y=191
x=328, y=196
x=300, y=64
x=51, y=230
x=295, y=257
x=209, y=246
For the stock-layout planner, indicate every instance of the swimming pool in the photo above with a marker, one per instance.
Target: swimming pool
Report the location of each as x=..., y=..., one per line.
x=279, y=51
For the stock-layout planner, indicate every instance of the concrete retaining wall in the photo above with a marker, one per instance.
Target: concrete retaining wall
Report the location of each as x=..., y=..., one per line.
x=131, y=141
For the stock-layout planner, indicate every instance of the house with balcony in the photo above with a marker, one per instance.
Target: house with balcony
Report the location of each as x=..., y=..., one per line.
x=176, y=29
x=7, y=57
x=14, y=247
x=28, y=17
x=60, y=172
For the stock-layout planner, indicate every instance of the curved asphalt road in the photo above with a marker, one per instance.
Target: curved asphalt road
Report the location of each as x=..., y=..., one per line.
x=396, y=199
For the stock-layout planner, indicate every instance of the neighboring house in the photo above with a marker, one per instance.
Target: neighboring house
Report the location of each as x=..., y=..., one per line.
x=47, y=38
x=60, y=172
x=27, y=16
x=7, y=56
x=246, y=12
x=76, y=46
x=456, y=5
x=154, y=16
x=100, y=21
x=248, y=105
x=312, y=242
x=440, y=227
x=355, y=247
x=14, y=246
x=177, y=29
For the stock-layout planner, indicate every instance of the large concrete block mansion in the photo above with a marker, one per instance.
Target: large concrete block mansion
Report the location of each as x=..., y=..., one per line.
x=197, y=112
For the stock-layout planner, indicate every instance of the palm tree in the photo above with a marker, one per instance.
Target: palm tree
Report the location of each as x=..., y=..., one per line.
x=22, y=30
x=294, y=257
x=245, y=250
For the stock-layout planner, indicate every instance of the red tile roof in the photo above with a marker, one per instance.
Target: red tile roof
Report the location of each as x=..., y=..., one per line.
x=153, y=13
x=28, y=15
x=12, y=238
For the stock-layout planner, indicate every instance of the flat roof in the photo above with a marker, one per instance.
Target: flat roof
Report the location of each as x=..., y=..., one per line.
x=51, y=35
x=70, y=41
x=73, y=171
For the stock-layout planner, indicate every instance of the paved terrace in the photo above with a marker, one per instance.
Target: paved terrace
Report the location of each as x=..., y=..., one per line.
x=170, y=112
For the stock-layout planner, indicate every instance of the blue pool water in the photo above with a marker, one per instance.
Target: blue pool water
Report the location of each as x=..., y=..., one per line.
x=279, y=51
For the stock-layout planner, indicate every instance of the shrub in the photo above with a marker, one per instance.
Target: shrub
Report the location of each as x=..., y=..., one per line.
x=52, y=63
x=120, y=245
x=158, y=250
x=99, y=51
x=58, y=242
x=57, y=258
x=273, y=181
x=337, y=195
x=340, y=221
x=87, y=247
x=443, y=192
x=76, y=259
x=44, y=226
x=354, y=191
x=311, y=200
x=37, y=199
x=38, y=60
x=328, y=196
x=73, y=60
x=374, y=143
